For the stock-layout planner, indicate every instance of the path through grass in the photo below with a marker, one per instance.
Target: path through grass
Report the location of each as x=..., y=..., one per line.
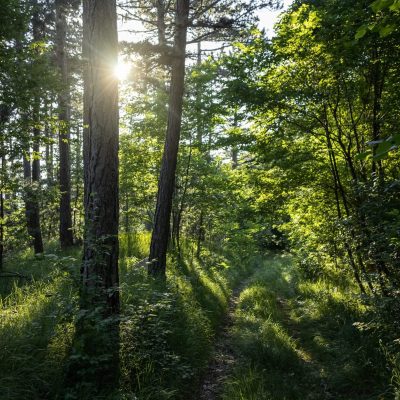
x=295, y=340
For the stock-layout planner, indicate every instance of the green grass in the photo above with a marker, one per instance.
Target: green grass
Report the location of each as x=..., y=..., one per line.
x=35, y=325
x=167, y=330
x=295, y=340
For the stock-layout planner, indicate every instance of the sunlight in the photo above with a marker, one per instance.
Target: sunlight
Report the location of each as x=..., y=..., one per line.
x=122, y=70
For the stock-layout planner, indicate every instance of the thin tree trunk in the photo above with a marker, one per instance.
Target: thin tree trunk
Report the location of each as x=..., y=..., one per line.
x=339, y=189
x=32, y=172
x=235, y=150
x=64, y=116
x=32, y=207
x=160, y=235
x=182, y=204
x=48, y=138
x=78, y=181
x=3, y=172
x=200, y=234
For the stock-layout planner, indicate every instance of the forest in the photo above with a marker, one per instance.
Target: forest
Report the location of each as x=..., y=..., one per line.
x=195, y=205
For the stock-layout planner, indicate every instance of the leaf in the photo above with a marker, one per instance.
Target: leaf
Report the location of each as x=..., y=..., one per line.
x=386, y=30
x=395, y=6
x=363, y=156
x=396, y=139
x=361, y=31
x=379, y=5
x=384, y=147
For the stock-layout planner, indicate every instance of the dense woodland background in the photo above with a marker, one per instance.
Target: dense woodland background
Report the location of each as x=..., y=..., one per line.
x=234, y=174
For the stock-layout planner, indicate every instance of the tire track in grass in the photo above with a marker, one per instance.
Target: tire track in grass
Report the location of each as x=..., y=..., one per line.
x=223, y=356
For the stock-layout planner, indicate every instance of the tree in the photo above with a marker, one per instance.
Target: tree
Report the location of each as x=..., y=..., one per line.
x=100, y=296
x=101, y=149
x=207, y=21
x=66, y=236
x=32, y=161
x=159, y=239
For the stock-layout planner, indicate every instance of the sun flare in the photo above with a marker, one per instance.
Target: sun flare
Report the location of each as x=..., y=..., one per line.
x=122, y=70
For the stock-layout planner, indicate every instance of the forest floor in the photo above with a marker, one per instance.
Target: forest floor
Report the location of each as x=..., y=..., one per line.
x=223, y=355
x=278, y=336
x=288, y=338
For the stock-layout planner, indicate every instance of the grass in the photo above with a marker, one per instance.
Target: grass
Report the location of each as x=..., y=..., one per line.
x=35, y=326
x=169, y=330
x=166, y=330
x=295, y=339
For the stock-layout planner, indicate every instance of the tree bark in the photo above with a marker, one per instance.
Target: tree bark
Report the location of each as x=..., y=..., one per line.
x=160, y=236
x=64, y=119
x=31, y=206
x=3, y=176
x=101, y=148
x=98, y=329
x=32, y=171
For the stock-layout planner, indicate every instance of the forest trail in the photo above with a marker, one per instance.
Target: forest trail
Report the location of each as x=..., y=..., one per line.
x=292, y=339
x=223, y=357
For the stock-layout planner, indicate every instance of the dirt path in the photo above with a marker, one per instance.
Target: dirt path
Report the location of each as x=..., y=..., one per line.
x=223, y=357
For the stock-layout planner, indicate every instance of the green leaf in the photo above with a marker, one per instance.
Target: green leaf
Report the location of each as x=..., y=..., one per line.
x=395, y=6
x=361, y=31
x=386, y=30
x=382, y=150
x=384, y=147
x=379, y=5
x=396, y=139
x=363, y=156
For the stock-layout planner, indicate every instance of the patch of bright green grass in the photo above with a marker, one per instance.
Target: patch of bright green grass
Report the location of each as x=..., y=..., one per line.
x=167, y=329
x=295, y=340
x=36, y=327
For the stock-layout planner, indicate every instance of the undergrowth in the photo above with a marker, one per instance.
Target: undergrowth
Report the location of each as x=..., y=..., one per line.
x=296, y=339
x=166, y=329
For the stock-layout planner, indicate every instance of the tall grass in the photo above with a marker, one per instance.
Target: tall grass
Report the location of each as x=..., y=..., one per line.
x=36, y=328
x=296, y=340
x=166, y=329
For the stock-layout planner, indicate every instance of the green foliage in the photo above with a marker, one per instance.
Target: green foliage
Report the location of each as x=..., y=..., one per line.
x=166, y=330
x=288, y=329
x=36, y=328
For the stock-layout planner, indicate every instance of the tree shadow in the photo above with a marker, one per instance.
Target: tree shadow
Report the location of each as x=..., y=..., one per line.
x=35, y=337
x=302, y=345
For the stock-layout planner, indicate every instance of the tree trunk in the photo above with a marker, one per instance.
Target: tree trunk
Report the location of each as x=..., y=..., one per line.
x=48, y=151
x=76, y=221
x=98, y=329
x=32, y=207
x=3, y=175
x=32, y=172
x=101, y=150
x=64, y=116
x=200, y=234
x=160, y=236
x=339, y=190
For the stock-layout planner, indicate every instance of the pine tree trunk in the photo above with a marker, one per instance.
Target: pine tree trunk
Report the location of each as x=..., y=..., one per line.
x=32, y=172
x=160, y=235
x=97, y=331
x=66, y=235
x=101, y=149
x=31, y=205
